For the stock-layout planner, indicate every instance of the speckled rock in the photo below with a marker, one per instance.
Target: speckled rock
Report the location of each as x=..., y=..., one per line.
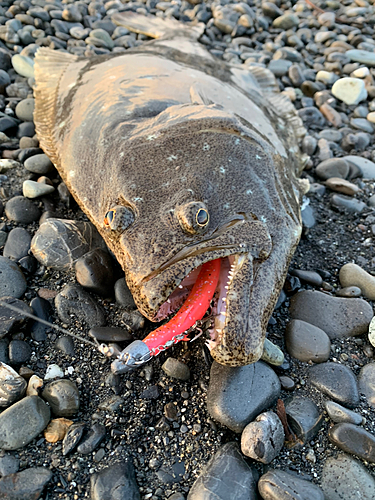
x=63, y=397
x=115, y=482
x=366, y=382
x=306, y=342
x=354, y=440
x=74, y=302
x=281, y=485
x=339, y=413
x=353, y=275
x=12, y=280
x=263, y=439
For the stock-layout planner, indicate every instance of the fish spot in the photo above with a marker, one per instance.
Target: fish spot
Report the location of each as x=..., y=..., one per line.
x=137, y=198
x=249, y=191
x=122, y=154
x=226, y=205
x=62, y=124
x=172, y=157
x=237, y=141
x=258, y=157
x=222, y=170
x=72, y=173
x=206, y=147
x=263, y=219
x=151, y=137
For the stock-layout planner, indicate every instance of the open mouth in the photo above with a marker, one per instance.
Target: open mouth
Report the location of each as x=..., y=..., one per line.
x=192, y=290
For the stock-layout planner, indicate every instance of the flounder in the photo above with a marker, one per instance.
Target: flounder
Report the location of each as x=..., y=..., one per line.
x=180, y=159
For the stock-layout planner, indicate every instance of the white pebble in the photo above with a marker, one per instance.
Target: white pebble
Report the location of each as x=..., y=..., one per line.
x=350, y=90
x=371, y=117
x=371, y=332
x=360, y=72
x=32, y=189
x=53, y=371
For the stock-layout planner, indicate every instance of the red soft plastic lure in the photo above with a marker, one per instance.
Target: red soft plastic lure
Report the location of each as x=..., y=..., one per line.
x=193, y=309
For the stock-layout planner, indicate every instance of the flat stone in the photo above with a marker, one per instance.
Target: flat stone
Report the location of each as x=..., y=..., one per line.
x=349, y=292
x=74, y=303
x=72, y=437
x=338, y=317
x=9, y=465
x=286, y=21
x=303, y=417
x=176, y=369
x=25, y=110
x=333, y=167
x=366, y=167
x=342, y=186
x=336, y=381
x=310, y=277
x=237, y=395
x=340, y=414
x=362, y=124
x=22, y=422
x=225, y=476
x=350, y=204
x=306, y=342
x=353, y=275
x=58, y=243
x=115, y=482
x=33, y=189
x=92, y=440
x=110, y=334
x=354, y=440
x=94, y=272
x=25, y=485
x=12, y=280
x=361, y=56
x=280, y=485
x=21, y=209
x=18, y=244
x=350, y=90
x=366, y=383
x=63, y=397
x=263, y=439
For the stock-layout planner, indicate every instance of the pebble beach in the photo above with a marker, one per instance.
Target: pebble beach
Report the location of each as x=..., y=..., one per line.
x=183, y=427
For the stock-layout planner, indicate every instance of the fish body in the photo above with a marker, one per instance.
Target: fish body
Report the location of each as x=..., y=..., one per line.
x=179, y=159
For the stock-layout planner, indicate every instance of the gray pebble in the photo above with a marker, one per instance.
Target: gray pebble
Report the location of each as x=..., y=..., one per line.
x=9, y=465
x=19, y=352
x=123, y=294
x=62, y=396
x=25, y=110
x=72, y=437
x=306, y=342
x=176, y=369
x=263, y=439
x=10, y=320
x=115, y=481
x=310, y=277
x=94, y=437
x=333, y=167
x=366, y=383
x=12, y=280
x=74, y=303
x=280, y=485
x=304, y=418
x=352, y=205
x=27, y=484
x=66, y=345
x=354, y=440
x=12, y=386
x=39, y=164
x=339, y=413
x=349, y=291
x=21, y=209
x=18, y=244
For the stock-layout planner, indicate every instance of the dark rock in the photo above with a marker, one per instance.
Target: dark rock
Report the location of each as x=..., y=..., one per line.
x=123, y=294
x=18, y=244
x=19, y=352
x=74, y=302
x=237, y=395
x=66, y=345
x=336, y=381
x=26, y=153
x=25, y=485
x=340, y=414
x=354, y=440
x=280, y=485
x=63, y=397
x=312, y=117
x=115, y=482
x=263, y=439
x=12, y=280
x=306, y=342
x=21, y=209
x=43, y=310
x=303, y=418
x=72, y=437
x=93, y=439
x=10, y=320
x=94, y=272
x=310, y=277
x=176, y=369
x=28, y=264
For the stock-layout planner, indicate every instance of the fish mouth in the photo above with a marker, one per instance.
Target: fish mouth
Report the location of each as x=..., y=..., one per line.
x=233, y=340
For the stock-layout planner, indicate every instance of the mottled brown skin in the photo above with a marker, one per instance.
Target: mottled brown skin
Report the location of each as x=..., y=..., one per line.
x=150, y=131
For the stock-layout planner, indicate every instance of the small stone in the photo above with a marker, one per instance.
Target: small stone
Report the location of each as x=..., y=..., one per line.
x=354, y=440
x=94, y=272
x=366, y=383
x=39, y=164
x=350, y=90
x=176, y=369
x=237, y=395
x=12, y=282
x=34, y=386
x=72, y=438
x=21, y=209
x=337, y=381
x=123, y=294
x=110, y=334
x=366, y=167
x=306, y=342
x=310, y=277
x=115, y=481
x=22, y=422
x=331, y=115
x=326, y=77
x=350, y=204
x=27, y=484
x=74, y=302
x=371, y=332
x=342, y=186
x=340, y=414
x=42, y=309
x=93, y=439
x=6, y=165
x=280, y=485
x=57, y=429
x=287, y=383
x=9, y=465
x=225, y=476
x=18, y=244
x=66, y=345
x=23, y=65
x=32, y=189
x=338, y=317
x=25, y=110
x=361, y=56
x=304, y=418
x=263, y=439
x=12, y=386
x=333, y=167
x=272, y=354
x=10, y=320
x=343, y=470
x=286, y=21
x=53, y=371
x=19, y=352
x=63, y=397
x=353, y=275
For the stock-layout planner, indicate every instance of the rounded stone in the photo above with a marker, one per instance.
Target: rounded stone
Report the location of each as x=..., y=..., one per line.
x=303, y=417
x=371, y=332
x=12, y=280
x=176, y=369
x=361, y=56
x=339, y=414
x=23, y=65
x=94, y=272
x=333, y=167
x=366, y=383
x=19, y=352
x=22, y=422
x=115, y=481
x=306, y=342
x=63, y=397
x=349, y=204
x=39, y=164
x=12, y=386
x=286, y=21
x=350, y=90
x=32, y=189
x=263, y=439
x=17, y=244
x=21, y=209
x=280, y=485
x=25, y=110
x=349, y=292
x=342, y=186
x=354, y=440
x=353, y=275
x=123, y=294
x=74, y=303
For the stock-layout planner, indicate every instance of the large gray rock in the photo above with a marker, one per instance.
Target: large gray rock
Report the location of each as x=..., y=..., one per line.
x=12, y=280
x=25, y=485
x=116, y=482
x=280, y=485
x=237, y=395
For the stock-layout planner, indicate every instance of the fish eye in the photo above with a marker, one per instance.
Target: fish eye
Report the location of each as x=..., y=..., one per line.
x=202, y=217
x=119, y=218
x=193, y=217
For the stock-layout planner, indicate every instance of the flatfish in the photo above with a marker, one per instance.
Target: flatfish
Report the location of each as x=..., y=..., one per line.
x=180, y=160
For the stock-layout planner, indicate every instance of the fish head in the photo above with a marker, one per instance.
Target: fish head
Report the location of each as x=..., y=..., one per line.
x=197, y=184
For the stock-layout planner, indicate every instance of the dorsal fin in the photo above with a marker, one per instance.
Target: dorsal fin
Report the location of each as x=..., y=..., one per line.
x=199, y=96
x=265, y=79
x=50, y=65
x=155, y=27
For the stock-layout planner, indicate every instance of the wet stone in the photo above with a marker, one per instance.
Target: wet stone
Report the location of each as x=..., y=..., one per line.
x=63, y=397
x=366, y=383
x=27, y=484
x=66, y=345
x=306, y=342
x=9, y=320
x=350, y=204
x=354, y=440
x=59, y=243
x=342, y=186
x=338, y=317
x=333, y=167
x=337, y=381
x=12, y=280
x=92, y=440
x=114, y=482
x=9, y=465
x=366, y=167
x=340, y=414
x=74, y=303
x=12, y=386
x=22, y=422
x=123, y=294
x=110, y=334
x=353, y=275
x=225, y=476
x=343, y=470
x=310, y=277
x=21, y=209
x=303, y=417
x=18, y=244
x=281, y=485
x=43, y=310
x=237, y=395
x=72, y=437
x=94, y=272
x=263, y=439
x=19, y=352
x=287, y=383
x=176, y=369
